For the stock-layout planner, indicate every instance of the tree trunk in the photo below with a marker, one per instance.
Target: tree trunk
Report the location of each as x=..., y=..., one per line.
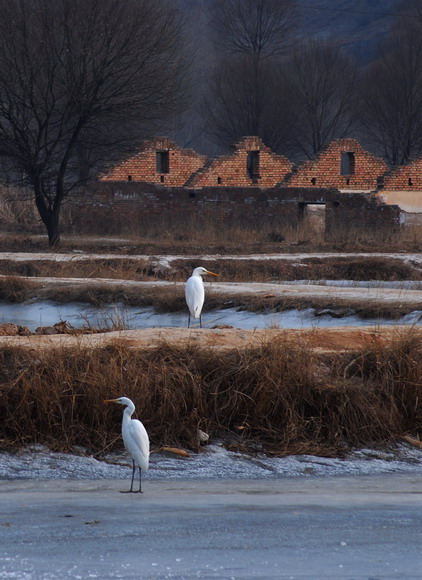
x=49, y=214
x=53, y=231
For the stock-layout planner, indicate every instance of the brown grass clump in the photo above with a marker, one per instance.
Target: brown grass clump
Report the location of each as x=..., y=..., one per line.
x=331, y=268
x=281, y=397
x=15, y=289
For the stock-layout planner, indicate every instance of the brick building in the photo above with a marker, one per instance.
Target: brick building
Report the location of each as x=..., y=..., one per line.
x=251, y=164
x=159, y=161
x=166, y=182
x=344, y=164
x=403, y=186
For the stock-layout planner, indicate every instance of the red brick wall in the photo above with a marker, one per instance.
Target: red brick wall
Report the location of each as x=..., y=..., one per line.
x=404, y=177
x=325, y=169
x=190, y=169
x=231, y=170
x=142, y=167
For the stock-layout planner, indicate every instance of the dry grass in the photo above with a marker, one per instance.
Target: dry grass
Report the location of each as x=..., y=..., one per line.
x=245, y=270
x=188, y=234
x=281, y=397
x=331, y=268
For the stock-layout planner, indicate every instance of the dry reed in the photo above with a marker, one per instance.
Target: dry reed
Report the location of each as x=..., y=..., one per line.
x=281, y=397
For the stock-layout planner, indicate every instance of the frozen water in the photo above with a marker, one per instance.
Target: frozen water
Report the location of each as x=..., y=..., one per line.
x=34, y=314
x=215, y=462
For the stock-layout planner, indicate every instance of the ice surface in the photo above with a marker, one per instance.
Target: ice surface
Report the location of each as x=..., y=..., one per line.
x=34, y=314
x=214, y=462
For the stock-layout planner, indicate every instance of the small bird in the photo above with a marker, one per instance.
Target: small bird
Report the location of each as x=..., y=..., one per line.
x=195, y=293
x=135, y=439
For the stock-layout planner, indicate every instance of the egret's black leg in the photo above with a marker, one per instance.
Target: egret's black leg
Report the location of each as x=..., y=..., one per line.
x=189, y=320
x=133, y=476
x=140, y=481
x=200, y=320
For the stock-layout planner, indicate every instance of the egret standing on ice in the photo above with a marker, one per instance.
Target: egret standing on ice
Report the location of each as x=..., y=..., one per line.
x=195, y=293
x=135, y=438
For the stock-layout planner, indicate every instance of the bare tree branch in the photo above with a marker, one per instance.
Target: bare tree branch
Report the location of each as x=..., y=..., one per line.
x=83, y=75
x=391, y=107
x=259, y=27
x=321, y=81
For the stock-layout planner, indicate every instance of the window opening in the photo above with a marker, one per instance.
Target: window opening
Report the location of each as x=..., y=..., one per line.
x=252, y=165
x=129, y=178
x=347, y=164
x=313, y=181
x=162, y=161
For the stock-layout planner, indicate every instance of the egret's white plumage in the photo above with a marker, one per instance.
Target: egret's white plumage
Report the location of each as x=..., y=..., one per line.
x=195, y=293
x=135, y=438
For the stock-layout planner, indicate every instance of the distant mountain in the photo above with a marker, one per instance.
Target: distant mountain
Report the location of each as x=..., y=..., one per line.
x=357, y=25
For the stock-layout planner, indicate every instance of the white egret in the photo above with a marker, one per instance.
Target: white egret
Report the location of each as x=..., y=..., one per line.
x=135, y=439
x=195, y=293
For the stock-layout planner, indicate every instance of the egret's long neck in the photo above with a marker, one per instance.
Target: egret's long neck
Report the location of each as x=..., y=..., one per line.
x=127, y=413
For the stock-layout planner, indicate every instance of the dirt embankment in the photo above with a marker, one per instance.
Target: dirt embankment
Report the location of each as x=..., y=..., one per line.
x=331, y=339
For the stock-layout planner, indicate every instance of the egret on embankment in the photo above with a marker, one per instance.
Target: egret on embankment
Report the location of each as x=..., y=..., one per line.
x=135, y=439
x=195, y=293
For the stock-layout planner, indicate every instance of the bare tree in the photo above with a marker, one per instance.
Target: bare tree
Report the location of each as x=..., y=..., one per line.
x=82, y=78
x=321, y=84
x=262, y=28
x=391, y=108
x=246, y=99
x=245, y=96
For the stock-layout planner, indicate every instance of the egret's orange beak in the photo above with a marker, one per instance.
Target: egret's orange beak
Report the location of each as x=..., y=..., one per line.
x=212, y=273
x=110, y=401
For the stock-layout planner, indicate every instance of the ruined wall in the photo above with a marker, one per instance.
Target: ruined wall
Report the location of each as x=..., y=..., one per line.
x=251, y=164
x=173, y=166
x=404, y=178
x=344, y=165
x=112, y=207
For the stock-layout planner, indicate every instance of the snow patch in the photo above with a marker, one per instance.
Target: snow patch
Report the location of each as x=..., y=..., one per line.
x=37, y=462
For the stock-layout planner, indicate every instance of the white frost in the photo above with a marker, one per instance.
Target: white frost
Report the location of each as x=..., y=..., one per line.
x=215, y=463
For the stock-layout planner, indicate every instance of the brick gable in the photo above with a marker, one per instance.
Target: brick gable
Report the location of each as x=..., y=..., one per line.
x=344, y=164
x=159, y=161
x=252, y=164
x=405, y=177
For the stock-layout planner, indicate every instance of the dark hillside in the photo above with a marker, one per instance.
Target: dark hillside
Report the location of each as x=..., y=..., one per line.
x=359, y=25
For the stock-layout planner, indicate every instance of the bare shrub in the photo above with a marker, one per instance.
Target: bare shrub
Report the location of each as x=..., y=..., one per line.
x=14, y=289
x=17, y=208
x=280, y=398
